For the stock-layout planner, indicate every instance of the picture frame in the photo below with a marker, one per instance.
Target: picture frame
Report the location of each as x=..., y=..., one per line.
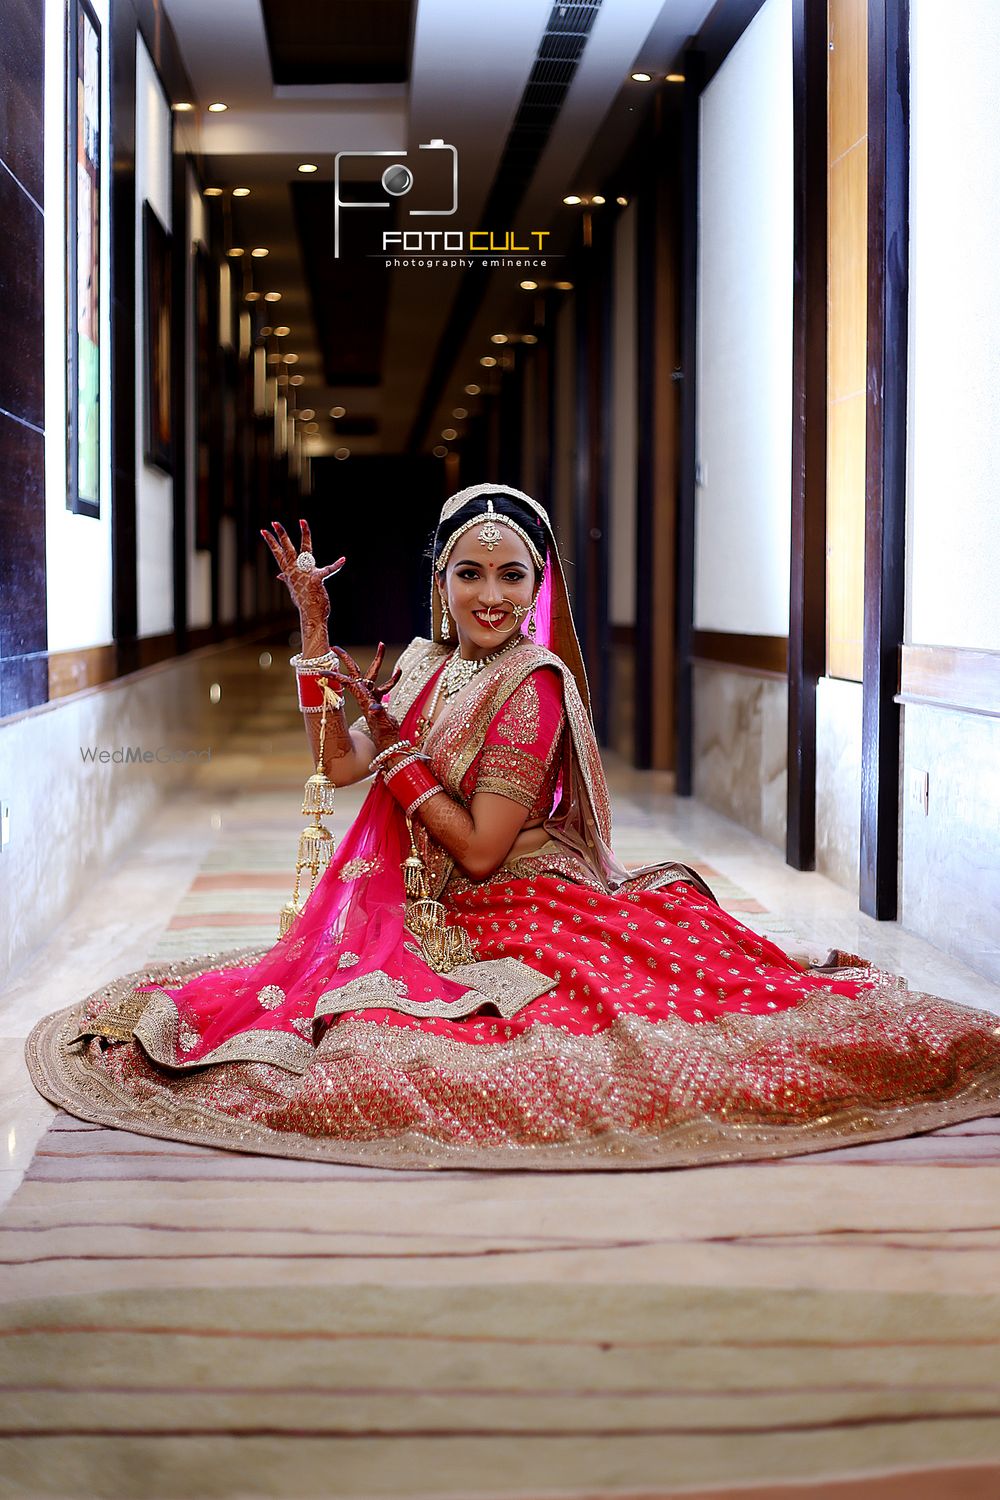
x=205, y=349
x=84, y=135
x=158, y=425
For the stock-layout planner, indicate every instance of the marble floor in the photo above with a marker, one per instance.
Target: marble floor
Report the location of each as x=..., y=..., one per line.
x=247, y=796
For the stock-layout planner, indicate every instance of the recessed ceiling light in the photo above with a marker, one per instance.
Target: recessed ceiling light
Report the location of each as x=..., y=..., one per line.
x=296, y=379
x=282, y=332
x=641, y=77
x=307, y=414
x=213, y=192
x=472, y=390
x=272, y=296
x=308, y=166
x=498, y=338
x=488, y=361
x=265, y=333
x=598, y=199
x=291, y=359
x=274, y=359
x=572, y=198
x=259, y=252
x=235, y=251
x=241, y=192
x=563, y=286
x=460, y=413
x=449, y=434
x=622, y=202
x=342, y=453
x=529, y=338
x=440, y=451
x=675, y=77
x=312, y=427
x=252, y=297
x=182, y=107
x=217, y=108
x=338, y=411
x=529, y=286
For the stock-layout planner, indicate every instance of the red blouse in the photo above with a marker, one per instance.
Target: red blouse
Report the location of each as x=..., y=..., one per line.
x=520, y=757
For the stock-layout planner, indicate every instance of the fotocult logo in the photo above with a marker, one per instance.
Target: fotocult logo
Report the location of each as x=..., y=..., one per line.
x=401, y=247
x=397, y=180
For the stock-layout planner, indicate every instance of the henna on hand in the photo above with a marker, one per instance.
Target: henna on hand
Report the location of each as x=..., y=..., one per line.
x=308, y=590
x=368, y=694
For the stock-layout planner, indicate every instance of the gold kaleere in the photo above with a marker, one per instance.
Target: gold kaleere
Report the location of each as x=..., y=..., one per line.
x=442, y=946
x=316, y=842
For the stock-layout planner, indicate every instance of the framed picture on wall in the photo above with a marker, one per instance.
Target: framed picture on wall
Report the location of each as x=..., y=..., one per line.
x=206, y=327
x=158, y=436
x=83, y=260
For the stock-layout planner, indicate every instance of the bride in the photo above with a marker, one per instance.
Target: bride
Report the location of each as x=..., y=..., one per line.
x=475, y=980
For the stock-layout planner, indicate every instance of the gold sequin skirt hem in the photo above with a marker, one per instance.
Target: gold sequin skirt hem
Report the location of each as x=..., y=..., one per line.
x=636, y=1096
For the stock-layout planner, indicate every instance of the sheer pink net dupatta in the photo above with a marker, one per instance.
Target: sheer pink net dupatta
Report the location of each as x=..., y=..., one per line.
x=352, y=927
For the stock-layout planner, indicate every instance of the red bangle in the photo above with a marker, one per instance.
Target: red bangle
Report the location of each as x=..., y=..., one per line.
x=411, y=782
x=310, y=687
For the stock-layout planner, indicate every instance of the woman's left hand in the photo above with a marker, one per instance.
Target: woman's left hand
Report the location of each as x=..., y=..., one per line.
x=364, y=688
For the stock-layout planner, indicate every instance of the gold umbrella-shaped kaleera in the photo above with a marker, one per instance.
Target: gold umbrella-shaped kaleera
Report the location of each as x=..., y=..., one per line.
x=316, y=842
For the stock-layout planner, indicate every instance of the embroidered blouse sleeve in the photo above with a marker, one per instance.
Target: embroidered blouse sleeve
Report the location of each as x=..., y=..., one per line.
x=523, y=739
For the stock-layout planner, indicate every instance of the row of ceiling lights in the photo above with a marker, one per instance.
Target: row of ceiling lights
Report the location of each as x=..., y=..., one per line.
x=648, y=77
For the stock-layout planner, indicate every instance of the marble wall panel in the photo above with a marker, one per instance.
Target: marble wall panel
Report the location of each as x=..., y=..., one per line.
x=838, y=780
x=71, y=817
x=950, y=887
x=740, y=747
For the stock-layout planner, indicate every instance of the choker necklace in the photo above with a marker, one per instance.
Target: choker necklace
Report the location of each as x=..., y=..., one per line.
x=460, y=671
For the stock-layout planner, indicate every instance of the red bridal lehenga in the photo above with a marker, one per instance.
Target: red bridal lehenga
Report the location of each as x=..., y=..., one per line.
x=609, y=1019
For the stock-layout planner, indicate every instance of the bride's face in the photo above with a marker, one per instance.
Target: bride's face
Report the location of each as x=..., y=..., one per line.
x=481, y=588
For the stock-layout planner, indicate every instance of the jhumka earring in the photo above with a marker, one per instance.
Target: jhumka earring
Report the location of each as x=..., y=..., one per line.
x=445, y=622
x=316, y=842
x=531, y=621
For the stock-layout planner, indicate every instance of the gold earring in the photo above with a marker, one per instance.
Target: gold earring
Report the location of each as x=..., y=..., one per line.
x=445, y=622
x=531, y=621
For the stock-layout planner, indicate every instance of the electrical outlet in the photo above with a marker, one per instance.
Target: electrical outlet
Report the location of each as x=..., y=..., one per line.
x=920, y=791
x=4, y=825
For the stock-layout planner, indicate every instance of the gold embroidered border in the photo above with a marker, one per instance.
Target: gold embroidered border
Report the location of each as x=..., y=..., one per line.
x=511, y=772
x=504, y=982
x=72, y=1075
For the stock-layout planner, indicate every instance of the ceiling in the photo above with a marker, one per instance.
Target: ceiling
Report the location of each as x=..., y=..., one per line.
x=537, y=100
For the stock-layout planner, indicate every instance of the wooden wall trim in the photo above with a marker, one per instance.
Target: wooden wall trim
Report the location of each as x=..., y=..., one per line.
x=807, y=559
x=766, y=654
x=954, y=677
x=71, y=671
x=885, y=442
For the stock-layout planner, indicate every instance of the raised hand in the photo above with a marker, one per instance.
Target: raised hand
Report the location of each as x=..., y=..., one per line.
x=305, y=582
x=365, y=689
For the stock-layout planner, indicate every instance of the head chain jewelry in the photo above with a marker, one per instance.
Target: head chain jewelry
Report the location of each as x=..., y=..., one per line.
x=489, y=536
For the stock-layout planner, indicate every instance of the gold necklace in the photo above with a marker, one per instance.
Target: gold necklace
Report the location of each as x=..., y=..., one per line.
x=460, y=670
x=426, y=718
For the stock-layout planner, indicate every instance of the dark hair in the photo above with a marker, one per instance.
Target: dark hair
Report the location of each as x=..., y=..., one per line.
x=503, y=505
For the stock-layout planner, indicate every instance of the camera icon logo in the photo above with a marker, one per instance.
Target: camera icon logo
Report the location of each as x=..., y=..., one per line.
x=397, y=180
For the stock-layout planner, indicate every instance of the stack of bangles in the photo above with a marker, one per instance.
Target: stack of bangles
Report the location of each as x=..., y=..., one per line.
x=410, y=780
x=310, y=677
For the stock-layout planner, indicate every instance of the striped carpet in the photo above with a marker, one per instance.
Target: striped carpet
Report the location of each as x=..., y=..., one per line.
x=177, y=1321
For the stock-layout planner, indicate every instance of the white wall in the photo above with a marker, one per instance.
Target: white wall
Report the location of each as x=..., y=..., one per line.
x=624, y=430
x=77, y=548
x=744, y=369
x=154, y=489
x=953, y=598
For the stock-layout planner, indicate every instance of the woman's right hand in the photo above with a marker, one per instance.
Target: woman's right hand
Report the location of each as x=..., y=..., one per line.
x=307, y=587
